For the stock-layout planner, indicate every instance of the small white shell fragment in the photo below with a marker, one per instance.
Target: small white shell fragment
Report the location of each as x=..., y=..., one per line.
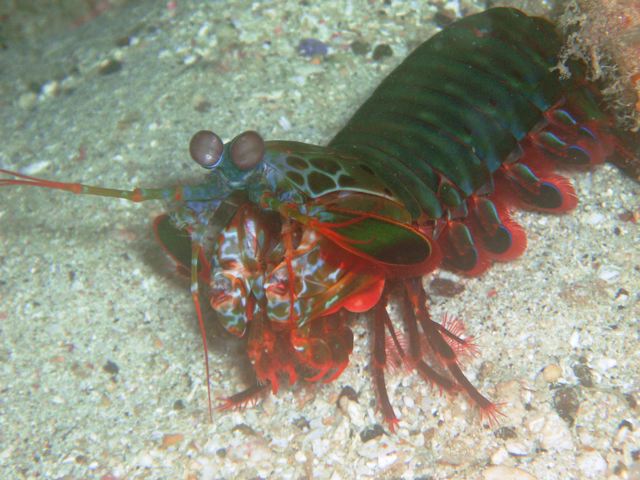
x=353, y=411
x=501, y=472
x=409, y=402
x=574, y=340
x=604, y=364
x=518, y=448
x=592, y=465
x=499, y=456
x=50, y=89
x=608, y=273
x=284, y=123
x=36, y=168
x=387, y=459
x=189, y=60
x=555, y=435
x=595, y=218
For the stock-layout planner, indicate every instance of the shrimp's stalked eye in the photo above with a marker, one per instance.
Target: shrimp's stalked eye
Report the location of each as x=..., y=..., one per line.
x=206, y=148
x=247, y=150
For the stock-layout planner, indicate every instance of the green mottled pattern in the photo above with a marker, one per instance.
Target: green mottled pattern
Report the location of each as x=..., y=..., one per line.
x=318, y=171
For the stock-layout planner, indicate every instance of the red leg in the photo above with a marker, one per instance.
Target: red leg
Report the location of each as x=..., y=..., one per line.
x=445, y=357
x=379, y=360
x=249, y=396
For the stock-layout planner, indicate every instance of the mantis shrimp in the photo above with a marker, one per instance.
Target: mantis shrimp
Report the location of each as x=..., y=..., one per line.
x=292, y=239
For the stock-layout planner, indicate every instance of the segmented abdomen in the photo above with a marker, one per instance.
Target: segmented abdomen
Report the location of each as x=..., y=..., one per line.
x=470, y=107
x=458, y=105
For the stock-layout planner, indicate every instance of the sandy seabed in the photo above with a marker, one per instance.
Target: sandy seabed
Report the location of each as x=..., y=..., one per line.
x=101, y=370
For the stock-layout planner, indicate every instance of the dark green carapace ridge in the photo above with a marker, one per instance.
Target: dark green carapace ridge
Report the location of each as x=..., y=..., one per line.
x=455, y=109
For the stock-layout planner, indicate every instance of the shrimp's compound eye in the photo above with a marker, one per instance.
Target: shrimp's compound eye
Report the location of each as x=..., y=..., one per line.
x=247, y=150
x=206, y=148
